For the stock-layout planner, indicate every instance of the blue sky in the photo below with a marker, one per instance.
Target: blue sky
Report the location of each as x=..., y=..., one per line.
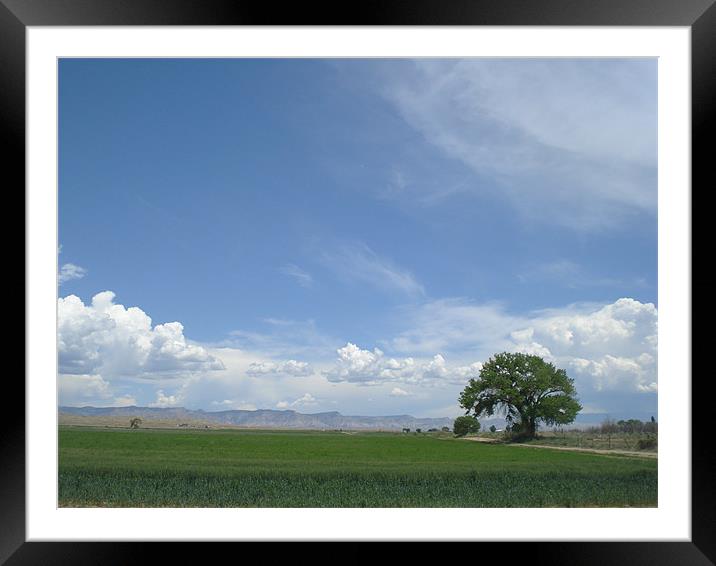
x=296, y=215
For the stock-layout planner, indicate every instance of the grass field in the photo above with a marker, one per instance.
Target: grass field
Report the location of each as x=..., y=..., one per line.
x=230, y=468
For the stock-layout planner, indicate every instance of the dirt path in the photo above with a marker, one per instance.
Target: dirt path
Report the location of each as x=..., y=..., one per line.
x=573, y=448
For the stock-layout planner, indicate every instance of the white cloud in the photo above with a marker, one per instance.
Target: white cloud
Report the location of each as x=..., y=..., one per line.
x=611, y=372
x=455, y=325
x=359, y=263
x=112, y=355
x=570, y=274
x=291, y=367
x=115, y=342
x=566, y=141
x=89, y=389
x=78, y=387
x=398, y=392
x=70, y=271
x=306, y=400
x=370, y=368
x=166, y=400
x=285, y=339
x=606, y=347
x=438, y=369
x=124, y=401
x=366, y=367
x=232, y=404
x=301, y=276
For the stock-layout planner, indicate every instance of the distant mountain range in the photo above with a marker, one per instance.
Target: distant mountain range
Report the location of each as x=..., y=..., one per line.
x=265, y=418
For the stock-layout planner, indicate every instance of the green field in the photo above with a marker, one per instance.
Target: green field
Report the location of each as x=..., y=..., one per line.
x=232, y=468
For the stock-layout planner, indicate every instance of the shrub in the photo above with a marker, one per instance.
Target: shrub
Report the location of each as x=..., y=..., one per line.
x=465, y=424
x=646, y=443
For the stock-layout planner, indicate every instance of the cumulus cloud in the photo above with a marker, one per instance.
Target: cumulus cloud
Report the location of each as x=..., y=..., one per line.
x=290, y=367
x=70, y=271
x=306, y=400
x=107, y=339
x=164, y=401
x=613, y=347
x=366, y=367
x=609, y=347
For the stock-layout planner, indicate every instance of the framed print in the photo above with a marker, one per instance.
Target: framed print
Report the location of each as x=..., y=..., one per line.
x=283, y=268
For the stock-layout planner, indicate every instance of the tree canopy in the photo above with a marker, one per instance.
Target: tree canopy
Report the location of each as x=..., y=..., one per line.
x=526, y=388
x=465, y=424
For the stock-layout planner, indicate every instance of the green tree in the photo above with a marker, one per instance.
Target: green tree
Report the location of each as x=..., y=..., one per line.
x=493, y=428
x=465, y=424
x=526, y=388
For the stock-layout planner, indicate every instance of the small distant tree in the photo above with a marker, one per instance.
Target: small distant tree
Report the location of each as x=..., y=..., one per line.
x=418, y=430
x=135, y=422
x=445, y=429
x=493, y=428
x=465, y=425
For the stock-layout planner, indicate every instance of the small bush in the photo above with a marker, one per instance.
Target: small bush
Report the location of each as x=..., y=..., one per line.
x=465, y=425
x=646, y=443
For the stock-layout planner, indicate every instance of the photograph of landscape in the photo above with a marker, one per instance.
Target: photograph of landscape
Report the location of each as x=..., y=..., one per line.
x=357, y=283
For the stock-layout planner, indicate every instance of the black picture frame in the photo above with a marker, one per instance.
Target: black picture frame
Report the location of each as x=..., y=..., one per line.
x=699, y=15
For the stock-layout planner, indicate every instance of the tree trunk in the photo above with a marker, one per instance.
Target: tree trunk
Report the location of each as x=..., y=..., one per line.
x=529, y=427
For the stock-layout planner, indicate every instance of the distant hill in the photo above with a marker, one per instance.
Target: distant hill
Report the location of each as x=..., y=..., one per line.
x=265, y=418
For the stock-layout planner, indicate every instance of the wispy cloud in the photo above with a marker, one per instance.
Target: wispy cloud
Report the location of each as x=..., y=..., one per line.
x=398, y=392
x=284, y=339
x=70, y=271
x=570, y=274
x=566, y=142
x=302, y=277
x=359, y=263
